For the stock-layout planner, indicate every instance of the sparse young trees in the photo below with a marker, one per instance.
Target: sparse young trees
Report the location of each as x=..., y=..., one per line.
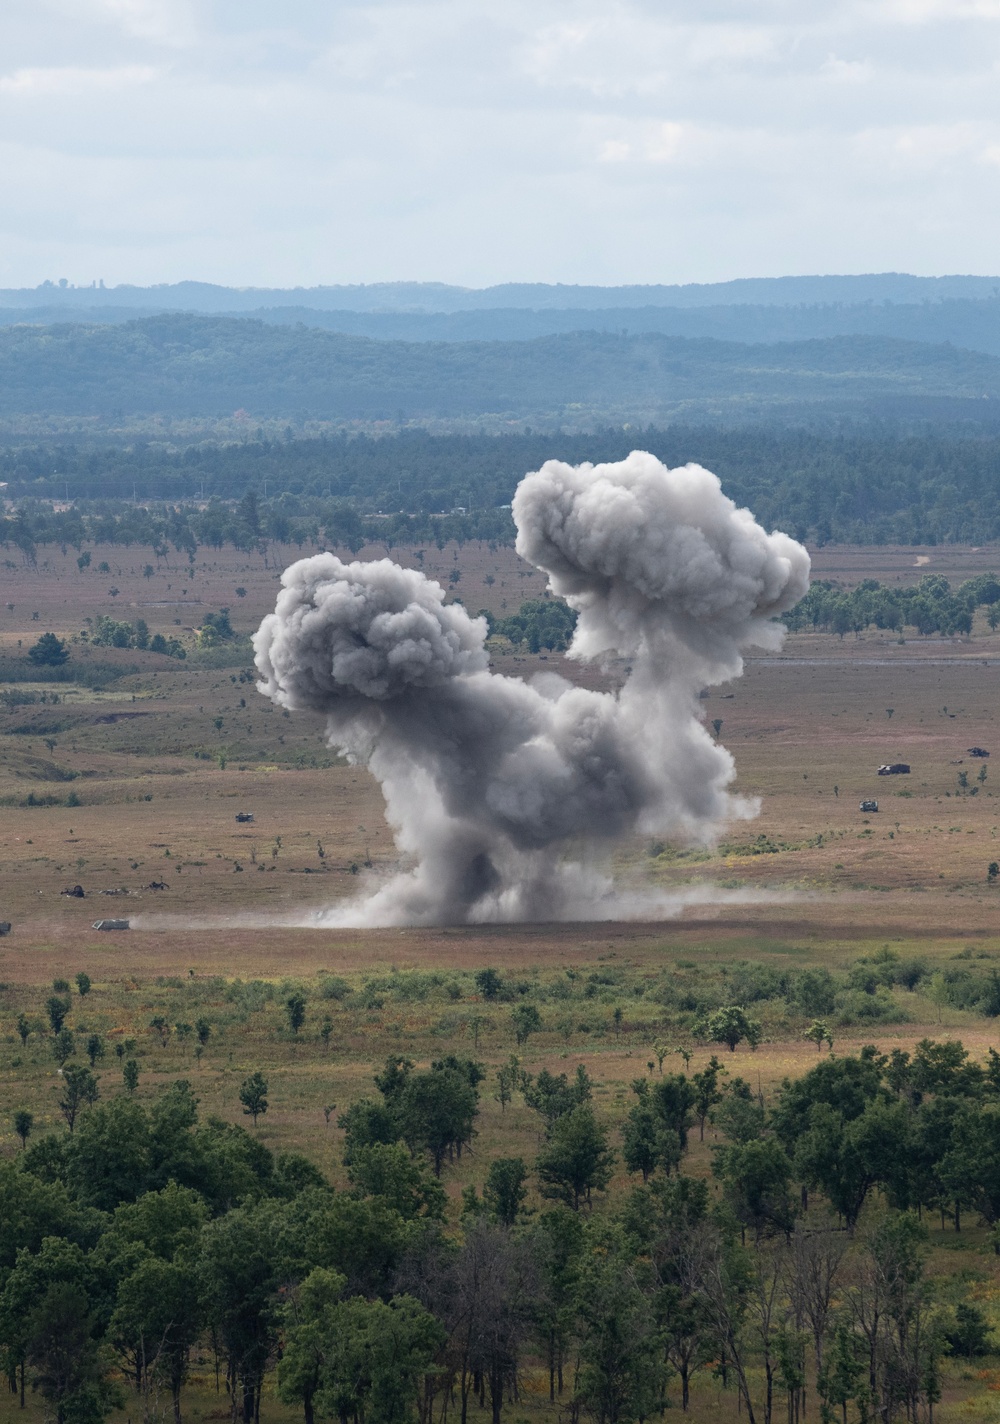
x=253, y=1095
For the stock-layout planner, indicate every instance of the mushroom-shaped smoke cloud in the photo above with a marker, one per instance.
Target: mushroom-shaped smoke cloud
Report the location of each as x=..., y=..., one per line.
x=490, y=782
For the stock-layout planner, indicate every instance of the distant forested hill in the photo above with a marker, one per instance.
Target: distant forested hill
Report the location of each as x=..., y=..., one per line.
x=186, y=365
x=534, y=296
x=973, y=324
x=873, y=487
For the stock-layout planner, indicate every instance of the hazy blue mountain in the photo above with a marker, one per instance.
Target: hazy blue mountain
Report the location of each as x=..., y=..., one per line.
x=533, y=296
x=210, y=366
x=973, y=324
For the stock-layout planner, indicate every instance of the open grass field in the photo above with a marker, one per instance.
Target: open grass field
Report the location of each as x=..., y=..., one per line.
x=141, y=782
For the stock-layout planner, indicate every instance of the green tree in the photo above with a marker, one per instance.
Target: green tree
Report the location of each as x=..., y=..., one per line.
x=253, y=1095
x=576, y=1160
x=365, y=1122
x=49, y=1320
x=846, y=1160
x=731, y=1026
x=970, y=1169
x=63, y=1045
x=155, y=1322
x=740, y=1114
x=49, y=651
x=489, y=984
x=648, y=1141
x=356, y=1358
x=552, y=1097
x=388, y=1171
x=83, y=983
x=57, y=1009
x=525, y=1020
x=675, y=1096
x=203, y=1030
x=95, y=1048
x=557, y=1241
x=504, y=1191
x=756, y=1179
x=239, y=1267
x=23, y=1029
x=130, y=1075
x=707, y=1092
x=841, y=1378
x=970, y=1335
x=295, y=1008
x=817, y=1033
x=79, y=1090
x=623, y=1372
x=24, y=1121
x=165, y=1223
x=436, y=1112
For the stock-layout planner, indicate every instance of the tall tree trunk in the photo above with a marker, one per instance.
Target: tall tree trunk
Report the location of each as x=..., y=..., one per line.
x=465, y=1387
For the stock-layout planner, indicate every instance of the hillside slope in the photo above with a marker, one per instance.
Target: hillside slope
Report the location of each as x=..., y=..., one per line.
x=209, y=366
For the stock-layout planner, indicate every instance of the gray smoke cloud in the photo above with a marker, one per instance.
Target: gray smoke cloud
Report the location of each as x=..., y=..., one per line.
x=503, y=793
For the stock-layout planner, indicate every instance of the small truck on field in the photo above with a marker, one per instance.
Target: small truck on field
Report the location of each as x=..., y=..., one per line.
x=868, y=806
x=111, y=924
x=894, y=768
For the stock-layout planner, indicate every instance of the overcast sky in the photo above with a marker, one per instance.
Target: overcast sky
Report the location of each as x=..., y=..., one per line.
x=282, y=142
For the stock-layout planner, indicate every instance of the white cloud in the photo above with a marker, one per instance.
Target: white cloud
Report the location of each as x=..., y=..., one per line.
x=475, y=141
x=69, y=81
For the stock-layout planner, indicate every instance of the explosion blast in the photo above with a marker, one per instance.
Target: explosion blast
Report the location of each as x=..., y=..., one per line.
x=498, y=790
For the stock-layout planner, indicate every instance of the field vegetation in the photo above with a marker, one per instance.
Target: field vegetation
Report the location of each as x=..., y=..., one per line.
x=257, y=1167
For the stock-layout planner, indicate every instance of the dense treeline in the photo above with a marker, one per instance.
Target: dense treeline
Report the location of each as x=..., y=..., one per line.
x=182, y=365
x=866, y=488
x=145, y=1234
x=538, y=623
x=931, y=606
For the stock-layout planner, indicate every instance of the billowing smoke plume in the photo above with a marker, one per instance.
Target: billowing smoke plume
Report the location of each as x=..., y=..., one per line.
x=501, y=791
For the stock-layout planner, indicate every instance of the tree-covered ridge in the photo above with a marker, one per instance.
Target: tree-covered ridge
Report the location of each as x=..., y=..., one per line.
x=184, y=365
x=973, y=323
x=867, y=488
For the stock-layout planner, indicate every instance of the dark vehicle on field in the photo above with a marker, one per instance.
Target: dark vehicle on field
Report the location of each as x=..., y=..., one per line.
x=111, y=924
x=894, y=768
x=868, y=806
